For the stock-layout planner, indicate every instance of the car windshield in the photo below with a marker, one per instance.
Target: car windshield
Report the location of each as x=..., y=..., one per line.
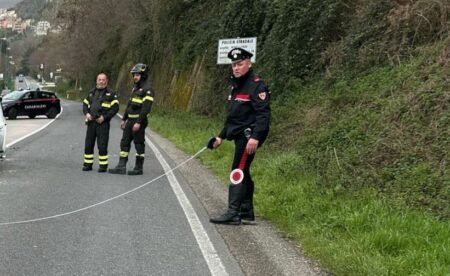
x=15, y=95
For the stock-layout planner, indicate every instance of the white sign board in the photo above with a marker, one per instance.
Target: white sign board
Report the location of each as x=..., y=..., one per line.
x=225, y=45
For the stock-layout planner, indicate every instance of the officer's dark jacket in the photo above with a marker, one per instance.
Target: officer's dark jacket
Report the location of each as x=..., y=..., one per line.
x=140, y=103
x=248, y=107
x=101, y=102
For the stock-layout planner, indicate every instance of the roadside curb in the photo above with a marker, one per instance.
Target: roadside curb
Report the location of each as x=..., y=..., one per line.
x=259, y=249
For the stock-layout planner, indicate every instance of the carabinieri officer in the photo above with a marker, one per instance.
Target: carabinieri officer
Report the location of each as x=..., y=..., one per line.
x=247, y=124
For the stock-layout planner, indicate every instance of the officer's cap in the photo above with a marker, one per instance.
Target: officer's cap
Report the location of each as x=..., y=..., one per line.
x=238, y=54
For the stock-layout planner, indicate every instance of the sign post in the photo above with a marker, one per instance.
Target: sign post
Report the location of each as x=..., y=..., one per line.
x=225, y=45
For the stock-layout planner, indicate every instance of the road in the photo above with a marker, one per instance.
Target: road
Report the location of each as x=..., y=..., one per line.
x=27, y=83
x=160, y=229
x=143, y=233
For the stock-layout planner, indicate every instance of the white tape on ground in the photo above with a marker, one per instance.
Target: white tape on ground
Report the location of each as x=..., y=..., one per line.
x=212, y=259
x=209, y=252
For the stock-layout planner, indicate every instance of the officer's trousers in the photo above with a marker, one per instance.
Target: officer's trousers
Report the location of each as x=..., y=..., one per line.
x=138, y=137
x=99, y=132
x=241, y=195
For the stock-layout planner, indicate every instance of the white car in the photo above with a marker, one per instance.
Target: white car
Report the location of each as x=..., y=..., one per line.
x=2, y=133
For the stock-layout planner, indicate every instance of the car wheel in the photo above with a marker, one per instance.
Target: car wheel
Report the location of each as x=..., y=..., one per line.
x=31, y=116
x=12, y=114
x=52, y=112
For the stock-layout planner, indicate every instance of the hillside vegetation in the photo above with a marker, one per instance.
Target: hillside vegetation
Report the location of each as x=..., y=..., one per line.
x=356, y=165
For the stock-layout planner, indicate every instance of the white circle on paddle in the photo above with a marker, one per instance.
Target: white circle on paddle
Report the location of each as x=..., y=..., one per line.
x=236, y=176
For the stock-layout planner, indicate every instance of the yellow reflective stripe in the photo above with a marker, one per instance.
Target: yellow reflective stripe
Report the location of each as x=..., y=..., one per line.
x=103, y=157
x=88, y=156
x=136, y=100
x=133, y=116
x=123, y=154
x=86, y=101
x=106, y=104
x=103, y=162
x=114, y=102
x=140, y=155
x=148, y=98
x=88, y=161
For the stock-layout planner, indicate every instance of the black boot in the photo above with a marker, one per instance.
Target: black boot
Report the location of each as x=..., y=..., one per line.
x=121, y=168
x=87, y=167
x=231, y=216
x=102, y=168
x=247, y=214
x=138, y=166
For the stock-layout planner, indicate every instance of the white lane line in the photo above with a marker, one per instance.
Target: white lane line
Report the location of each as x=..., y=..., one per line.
x=34, y=132
x=213, y=260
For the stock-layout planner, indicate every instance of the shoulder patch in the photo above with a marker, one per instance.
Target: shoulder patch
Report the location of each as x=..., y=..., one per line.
x=262, y=95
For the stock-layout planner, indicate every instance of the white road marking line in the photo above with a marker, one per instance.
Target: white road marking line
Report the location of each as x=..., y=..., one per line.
x=34, y=132
x=209, y=252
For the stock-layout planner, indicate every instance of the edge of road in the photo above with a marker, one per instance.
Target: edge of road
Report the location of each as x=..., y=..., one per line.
x=259, y=249
x=35, y=131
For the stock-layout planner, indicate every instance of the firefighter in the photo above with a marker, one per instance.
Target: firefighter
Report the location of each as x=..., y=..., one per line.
x=99, y=107
x=247, y=124
x=135, y=121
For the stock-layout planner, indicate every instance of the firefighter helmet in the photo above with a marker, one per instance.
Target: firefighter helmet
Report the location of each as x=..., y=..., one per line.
x=140, y=68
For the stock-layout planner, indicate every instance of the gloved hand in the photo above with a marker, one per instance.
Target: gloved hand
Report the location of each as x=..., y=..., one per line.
x=210, y=144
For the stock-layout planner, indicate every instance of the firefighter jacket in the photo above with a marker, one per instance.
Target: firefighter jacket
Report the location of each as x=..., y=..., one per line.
x=248, y=107
x=139, y=104
x=101, y=102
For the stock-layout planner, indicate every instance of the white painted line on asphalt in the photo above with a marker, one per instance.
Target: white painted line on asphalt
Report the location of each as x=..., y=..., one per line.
x=209, y=252
x=34, y=132
x=104, y=201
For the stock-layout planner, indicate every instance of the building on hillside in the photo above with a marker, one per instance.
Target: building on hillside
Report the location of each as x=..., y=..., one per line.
x=42, y=27
x=19, y=25
x=10, y=20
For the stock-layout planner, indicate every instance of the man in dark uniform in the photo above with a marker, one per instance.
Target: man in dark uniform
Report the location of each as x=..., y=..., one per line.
x=135, y=121
x=99, y=107
x=247, y=123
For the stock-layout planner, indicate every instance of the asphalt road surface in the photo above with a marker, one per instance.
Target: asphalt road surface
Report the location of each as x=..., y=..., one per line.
x=26, y=83
x=161, y=228
x=145, y=232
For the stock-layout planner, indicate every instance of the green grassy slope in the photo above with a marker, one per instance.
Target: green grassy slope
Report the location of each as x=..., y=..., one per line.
x=354, y=168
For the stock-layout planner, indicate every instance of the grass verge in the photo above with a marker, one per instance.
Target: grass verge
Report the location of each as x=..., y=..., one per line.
x=354, y=169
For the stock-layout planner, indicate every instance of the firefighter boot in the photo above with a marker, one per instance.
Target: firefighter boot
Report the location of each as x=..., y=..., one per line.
x=102, y=168
x=87, y=167
x=138, y=166
x=231, y=216
x=121, y=168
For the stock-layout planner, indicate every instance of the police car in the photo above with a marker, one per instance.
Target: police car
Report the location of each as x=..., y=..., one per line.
x=31, y=103
x=2, y=133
